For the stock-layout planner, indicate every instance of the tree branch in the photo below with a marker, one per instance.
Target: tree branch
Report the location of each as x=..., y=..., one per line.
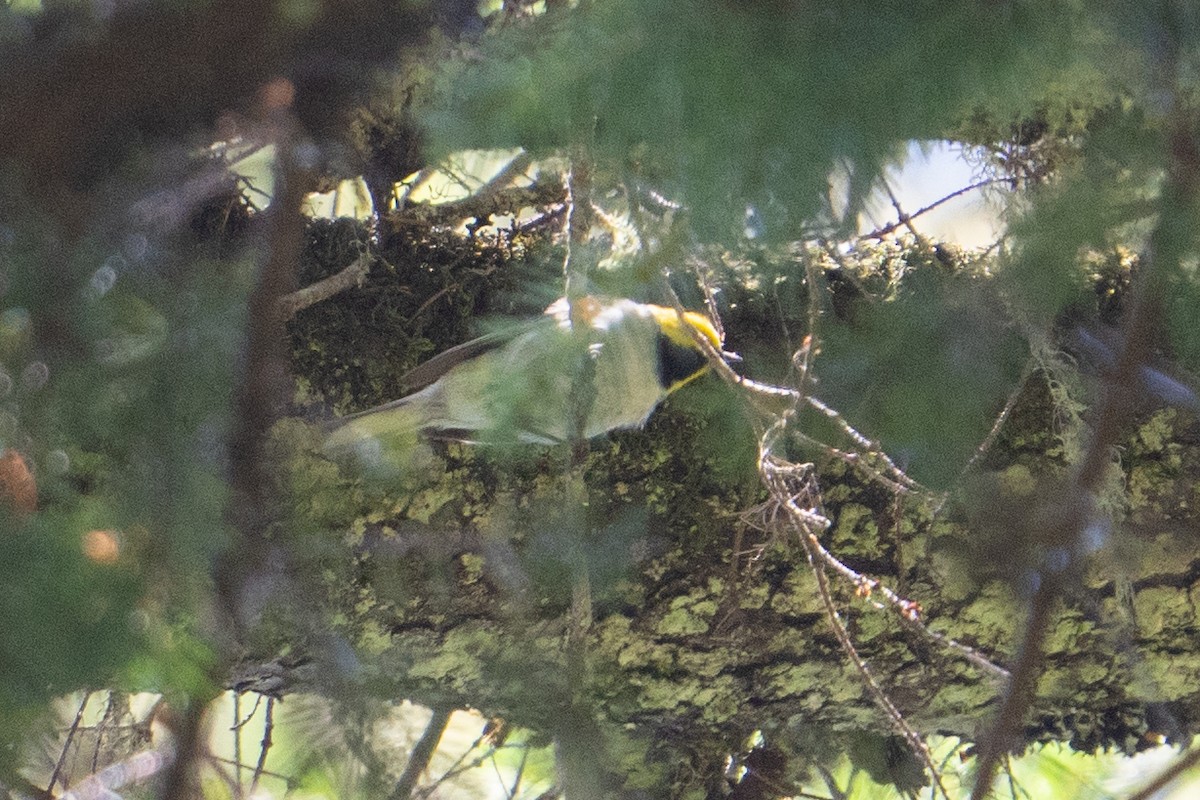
x=480, y=206
x=1068, y=521
x=352, y=276
x=418, y=760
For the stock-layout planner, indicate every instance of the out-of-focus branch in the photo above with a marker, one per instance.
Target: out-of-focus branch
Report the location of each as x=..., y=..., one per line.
x=262, y=387
x=79, y=93
x=508, y=174
x=256, y=405
x=64, y=98
x=1164, y=778
x=1067, y=521
x=134, y=769
x=418, y=760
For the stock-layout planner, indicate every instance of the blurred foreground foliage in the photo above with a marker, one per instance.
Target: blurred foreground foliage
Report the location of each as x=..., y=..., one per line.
x=635, y=609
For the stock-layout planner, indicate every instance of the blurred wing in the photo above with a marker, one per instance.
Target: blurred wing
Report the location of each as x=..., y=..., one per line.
x=370, y=434
x=430, y=371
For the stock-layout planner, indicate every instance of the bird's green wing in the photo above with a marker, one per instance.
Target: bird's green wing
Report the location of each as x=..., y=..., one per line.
x=430, y=371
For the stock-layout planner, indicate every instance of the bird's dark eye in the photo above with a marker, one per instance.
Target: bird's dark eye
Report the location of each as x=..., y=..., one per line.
x=676, y=362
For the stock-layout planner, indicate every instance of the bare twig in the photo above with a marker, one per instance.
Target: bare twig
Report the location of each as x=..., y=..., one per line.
x=907, y=611
x=240, y=722
x=422, y=177
x=994, y=433
x=266, y=772
x=516, y=784
x=265, y=746
x=831, y=783
x=905, y=220
x=459, y=767
x=872, y=448
x=237, y=743
x=232, y=785
x=860, y=462
x=352, y=276
x=578, y=260
x=757, y=392
x=462, y=765
x=62, y=757
x=799, y=519
x=541, y=220
x=716, y=359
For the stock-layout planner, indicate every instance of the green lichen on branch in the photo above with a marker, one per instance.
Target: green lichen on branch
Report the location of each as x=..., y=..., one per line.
x=455, y=583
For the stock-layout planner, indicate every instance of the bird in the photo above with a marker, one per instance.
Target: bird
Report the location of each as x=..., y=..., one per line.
x=586, y=367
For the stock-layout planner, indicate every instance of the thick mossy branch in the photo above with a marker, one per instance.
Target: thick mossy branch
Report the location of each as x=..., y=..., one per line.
x=425, y=291
x=453, y=583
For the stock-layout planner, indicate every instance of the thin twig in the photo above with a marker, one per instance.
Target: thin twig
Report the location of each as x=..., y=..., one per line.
x=458, y=767
x=775, y=474
x=907, y=611
x=831, y=783
x=579, y=258
x=241, y=722
x=232, y=785
x=354, y=275
x=994, y=433
x=516, y=784
x=635, y=215
x=62, y=757
x=873, y=448
x=289, y=779
x=422, y=177
x=109, y=712
x=715, y=358
x=265, y=746
x=905, y=220
x=509, y=173
x=237, y=743
x=854, y=460
x=544, y=193
x=710, y=297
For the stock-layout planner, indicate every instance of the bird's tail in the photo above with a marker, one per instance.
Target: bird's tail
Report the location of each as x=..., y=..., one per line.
x=382, y=438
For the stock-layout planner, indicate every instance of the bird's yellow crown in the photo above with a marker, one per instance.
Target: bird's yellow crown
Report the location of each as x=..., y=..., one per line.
x=669, y=320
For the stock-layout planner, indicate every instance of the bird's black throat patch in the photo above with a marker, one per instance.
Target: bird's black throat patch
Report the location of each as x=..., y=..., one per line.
x=677, y=363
